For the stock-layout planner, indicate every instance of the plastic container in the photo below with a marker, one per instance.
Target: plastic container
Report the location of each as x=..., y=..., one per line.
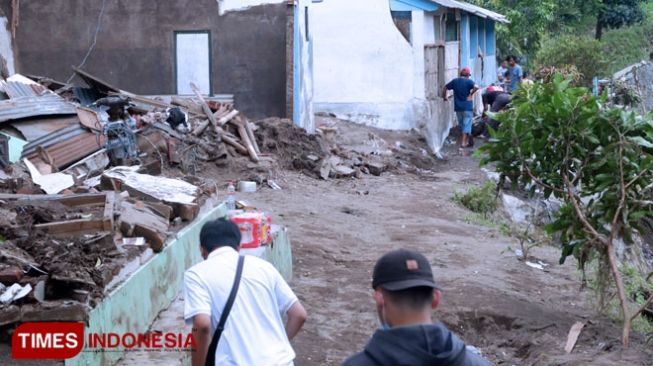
x=231, y=196
x=254, y=228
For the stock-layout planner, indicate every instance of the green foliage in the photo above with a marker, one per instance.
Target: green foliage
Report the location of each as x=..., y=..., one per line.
x=562, y=138
x=585, y=53
x=627, y=27
x=478, y=199
x=619, y=13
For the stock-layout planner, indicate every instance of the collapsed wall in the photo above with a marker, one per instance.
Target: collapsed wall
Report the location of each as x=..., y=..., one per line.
x=640, y=77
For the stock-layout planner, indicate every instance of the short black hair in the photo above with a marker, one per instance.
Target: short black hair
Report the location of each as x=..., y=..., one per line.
x=219, y=233
x=511, y=57
x=414, y=298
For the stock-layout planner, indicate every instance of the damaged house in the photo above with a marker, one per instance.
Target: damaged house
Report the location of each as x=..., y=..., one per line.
x=255, y=50
x=384, y=62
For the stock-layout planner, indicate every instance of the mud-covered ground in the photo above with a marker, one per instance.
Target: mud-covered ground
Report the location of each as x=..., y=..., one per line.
x=515, y=314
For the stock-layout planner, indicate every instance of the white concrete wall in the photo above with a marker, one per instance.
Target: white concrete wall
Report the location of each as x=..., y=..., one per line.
x=364, y=70
x=306, y=114
x=234, y=5
x=6, y=49
x=429, y=29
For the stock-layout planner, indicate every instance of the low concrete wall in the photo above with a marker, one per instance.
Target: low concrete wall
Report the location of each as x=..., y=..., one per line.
x=133, y=305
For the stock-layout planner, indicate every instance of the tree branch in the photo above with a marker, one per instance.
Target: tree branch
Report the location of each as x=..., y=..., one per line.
x=581, y=216
x=641, y=310
x=539, y=182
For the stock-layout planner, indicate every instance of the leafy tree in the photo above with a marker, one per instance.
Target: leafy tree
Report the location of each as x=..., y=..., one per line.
x=617, y=14
x=597, y=160
x=585, y=53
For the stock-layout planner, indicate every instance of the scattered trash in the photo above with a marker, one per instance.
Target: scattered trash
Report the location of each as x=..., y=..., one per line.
x=247, y=187
x=272, y=184
x=15, y=292
x=535, y=265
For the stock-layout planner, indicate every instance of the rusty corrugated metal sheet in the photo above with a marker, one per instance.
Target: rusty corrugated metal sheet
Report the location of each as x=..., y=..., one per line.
x=23, y=107
x=33, y=129
x=16, y=89
x=65, y=146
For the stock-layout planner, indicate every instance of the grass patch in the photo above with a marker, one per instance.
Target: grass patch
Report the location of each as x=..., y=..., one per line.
x=478, y=199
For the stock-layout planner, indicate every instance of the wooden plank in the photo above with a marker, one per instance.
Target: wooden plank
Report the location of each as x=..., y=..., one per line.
x=72, y=227
x=73, y=200
x=109, y=206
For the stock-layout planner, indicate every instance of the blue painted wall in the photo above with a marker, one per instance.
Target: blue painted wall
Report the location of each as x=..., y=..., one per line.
x=410, y=5
x=490, y=38
x=464, y=41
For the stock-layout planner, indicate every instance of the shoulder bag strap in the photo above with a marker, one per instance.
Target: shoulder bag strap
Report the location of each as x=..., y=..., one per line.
x=210, y=357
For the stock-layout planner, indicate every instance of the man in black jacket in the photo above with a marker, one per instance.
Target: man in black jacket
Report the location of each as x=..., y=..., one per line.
x=406, y=295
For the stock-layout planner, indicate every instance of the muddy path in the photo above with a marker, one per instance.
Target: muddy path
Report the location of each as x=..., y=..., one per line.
x=516, y=314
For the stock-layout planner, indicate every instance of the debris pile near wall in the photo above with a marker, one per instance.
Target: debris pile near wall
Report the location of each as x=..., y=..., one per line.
x=82, y=204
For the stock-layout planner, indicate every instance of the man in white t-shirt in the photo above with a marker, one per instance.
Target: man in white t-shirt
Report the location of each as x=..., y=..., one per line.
x=254, y=333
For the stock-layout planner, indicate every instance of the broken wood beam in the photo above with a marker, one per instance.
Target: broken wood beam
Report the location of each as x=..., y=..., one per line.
x=205, y=106
x=201, y=127
x=231, y=141
x=250, y=134
x=242, y=131
x=231, y=115
x=191, y=107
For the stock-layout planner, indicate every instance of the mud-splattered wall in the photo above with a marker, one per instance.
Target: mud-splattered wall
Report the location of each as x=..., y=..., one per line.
x=135, y=48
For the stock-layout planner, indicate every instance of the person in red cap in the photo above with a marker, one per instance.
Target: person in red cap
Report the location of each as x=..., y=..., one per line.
x=463, y=92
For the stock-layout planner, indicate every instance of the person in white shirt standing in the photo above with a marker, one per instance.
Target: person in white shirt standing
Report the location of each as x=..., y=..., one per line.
x=254, y=332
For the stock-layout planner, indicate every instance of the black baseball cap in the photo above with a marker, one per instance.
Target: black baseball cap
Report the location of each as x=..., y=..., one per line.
x=402, y=269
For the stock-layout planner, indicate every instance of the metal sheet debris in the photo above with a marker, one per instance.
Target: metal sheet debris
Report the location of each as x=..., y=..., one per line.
x=33, y=129
x=23, y=107
x=50, y=183
x=65, y=146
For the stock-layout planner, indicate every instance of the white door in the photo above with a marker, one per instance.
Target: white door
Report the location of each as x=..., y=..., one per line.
x=193, y=62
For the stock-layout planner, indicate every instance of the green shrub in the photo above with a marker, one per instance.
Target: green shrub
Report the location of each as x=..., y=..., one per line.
x=583, y=52
x=479, y=199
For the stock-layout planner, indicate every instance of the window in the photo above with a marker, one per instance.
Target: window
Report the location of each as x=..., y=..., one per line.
x=452, y=33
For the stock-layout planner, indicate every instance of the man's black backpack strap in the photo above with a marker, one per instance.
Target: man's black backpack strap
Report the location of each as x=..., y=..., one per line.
x=210, y=357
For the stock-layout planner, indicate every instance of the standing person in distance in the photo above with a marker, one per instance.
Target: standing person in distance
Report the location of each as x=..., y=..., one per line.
x=515, y=74
x=463, y=93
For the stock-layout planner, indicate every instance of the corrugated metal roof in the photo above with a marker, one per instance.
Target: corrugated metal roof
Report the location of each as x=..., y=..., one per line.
x=15, y=89
x=65, y=146
x=473, y=9
x=22, y=107
x=33, y=129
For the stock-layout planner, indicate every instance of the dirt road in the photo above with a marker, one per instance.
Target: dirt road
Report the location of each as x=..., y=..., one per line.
x=516, y=314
